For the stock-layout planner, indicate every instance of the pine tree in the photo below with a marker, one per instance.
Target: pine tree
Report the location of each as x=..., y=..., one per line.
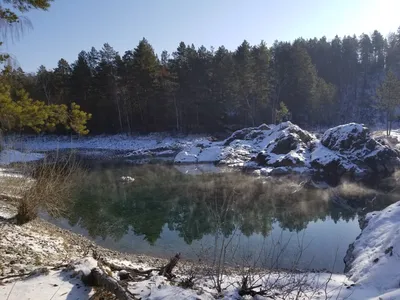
x=145, y=69
x=282, y=114
x=261, y=72
x=62, y=82
x=389, y=98
x=245, y=82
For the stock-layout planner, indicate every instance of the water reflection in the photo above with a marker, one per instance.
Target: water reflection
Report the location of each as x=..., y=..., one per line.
x=165, y=206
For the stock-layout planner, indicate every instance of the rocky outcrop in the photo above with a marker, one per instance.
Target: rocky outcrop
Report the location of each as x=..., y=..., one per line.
x=349, y=150
x=344, y=151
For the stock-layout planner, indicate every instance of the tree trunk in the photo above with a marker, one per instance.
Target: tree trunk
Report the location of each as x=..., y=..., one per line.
x=176, y=114
x=387, y=123
x=168, y=268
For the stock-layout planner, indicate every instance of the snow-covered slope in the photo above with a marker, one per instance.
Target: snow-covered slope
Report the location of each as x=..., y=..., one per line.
x=374, y=258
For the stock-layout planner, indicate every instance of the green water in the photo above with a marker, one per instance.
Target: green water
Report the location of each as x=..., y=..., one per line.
x=164, y=211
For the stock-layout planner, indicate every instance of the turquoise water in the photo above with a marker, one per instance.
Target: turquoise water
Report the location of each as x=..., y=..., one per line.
x=255, y=222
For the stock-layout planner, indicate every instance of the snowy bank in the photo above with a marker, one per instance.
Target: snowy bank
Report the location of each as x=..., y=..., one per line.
x=374, y=258
x=11, y=156
x=120, y=142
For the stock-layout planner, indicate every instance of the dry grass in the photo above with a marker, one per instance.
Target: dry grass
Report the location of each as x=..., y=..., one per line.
x=52, y=189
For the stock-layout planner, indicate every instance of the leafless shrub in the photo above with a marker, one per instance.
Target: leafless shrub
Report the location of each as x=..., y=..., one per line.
x=51, y=189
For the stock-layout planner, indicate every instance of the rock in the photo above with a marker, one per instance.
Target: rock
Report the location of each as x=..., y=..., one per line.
x=349, y=150
x=263, y=127
x=345, y=137
x=344, y=152
x=280, y=171
x=123, y=275
x=238, y=135
x=285, y=144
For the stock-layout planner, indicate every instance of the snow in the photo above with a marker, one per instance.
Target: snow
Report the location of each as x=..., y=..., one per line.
x=127, y=179
x=323, y=156
x=11, y=156
x=55, y=286
x=65, y=285
x=210, y=154
x=374, y=244
x=339, y=133
x=190, y=156
x=85, y=265
x=238, y=149
x=10, y=173
x=121, y=142
x=367, y=280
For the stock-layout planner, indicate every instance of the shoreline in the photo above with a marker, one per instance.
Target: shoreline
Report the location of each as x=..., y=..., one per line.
x=40, y=244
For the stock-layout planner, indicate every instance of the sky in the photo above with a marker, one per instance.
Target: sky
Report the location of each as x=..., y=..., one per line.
x=70, y=26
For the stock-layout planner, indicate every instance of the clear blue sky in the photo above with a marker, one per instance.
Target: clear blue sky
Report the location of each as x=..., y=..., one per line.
x=74, y=25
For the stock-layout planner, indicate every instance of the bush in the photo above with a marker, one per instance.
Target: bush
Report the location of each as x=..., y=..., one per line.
x=52, y=189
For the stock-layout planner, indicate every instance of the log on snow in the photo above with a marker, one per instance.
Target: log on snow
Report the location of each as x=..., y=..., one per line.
x=110, y=284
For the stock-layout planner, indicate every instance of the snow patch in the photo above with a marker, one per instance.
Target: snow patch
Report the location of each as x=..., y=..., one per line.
x=11, y=156
x=85, y=265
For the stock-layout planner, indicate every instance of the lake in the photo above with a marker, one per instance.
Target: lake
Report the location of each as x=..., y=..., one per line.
x=243, y=219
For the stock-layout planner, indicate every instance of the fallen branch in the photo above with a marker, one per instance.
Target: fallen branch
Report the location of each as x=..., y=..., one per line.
x=115, y=267
x=14, y=276
x=58, y=267
x=101, y=279
x=32, y=273
x=246, y=290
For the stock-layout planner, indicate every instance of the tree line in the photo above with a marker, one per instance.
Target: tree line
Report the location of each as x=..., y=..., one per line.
x=313, y=82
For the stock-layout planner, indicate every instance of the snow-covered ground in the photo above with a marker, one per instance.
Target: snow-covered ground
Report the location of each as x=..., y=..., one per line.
x=10, y=156
x=121, y=142
x=376, y=254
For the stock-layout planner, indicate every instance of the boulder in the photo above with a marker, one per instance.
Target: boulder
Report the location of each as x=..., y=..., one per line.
x=285, y=144
x=350, y=136
x=249, y=133
x=350, y=150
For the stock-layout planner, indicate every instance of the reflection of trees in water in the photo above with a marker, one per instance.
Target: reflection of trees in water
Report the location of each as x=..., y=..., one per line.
x=194, y=205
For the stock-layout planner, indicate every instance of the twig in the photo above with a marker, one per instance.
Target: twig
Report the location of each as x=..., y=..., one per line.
x=14, y=276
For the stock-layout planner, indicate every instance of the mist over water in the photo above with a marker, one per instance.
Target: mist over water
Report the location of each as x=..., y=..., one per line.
x=274, y=223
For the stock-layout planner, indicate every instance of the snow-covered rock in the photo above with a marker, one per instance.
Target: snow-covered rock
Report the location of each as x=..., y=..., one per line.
x=374, y=258
x=350, y=150
x=127, y=179
x=289, y=148
x=346, y=150
x=274, y=145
